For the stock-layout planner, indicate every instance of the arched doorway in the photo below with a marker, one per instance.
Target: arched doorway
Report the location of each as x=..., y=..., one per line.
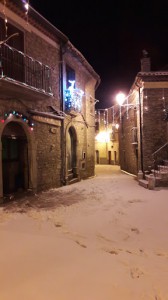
x=15, y=171
x=71, y=153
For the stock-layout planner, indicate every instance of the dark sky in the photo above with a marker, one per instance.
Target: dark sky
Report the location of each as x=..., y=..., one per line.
x=111, y=35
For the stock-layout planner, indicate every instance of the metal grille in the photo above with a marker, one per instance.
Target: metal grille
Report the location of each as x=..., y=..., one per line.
x=16, y=65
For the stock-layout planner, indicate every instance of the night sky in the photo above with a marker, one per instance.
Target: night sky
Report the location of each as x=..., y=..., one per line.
x=111, y=36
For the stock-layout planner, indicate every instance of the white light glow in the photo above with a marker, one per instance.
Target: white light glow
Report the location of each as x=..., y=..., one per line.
x=26, y=6
x=103, y=137
x=120, y=98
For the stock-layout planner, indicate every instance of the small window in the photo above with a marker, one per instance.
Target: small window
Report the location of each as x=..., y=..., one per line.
x=134, y=135
x=83, y=165
x=16, y=41
x=84, y=155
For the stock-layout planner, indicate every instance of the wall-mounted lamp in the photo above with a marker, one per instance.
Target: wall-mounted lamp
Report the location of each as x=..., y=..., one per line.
x=120, y=98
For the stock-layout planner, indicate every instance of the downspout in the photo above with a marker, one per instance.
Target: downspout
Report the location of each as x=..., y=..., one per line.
x=62, y=121
x=140, y=164
x=140, y=128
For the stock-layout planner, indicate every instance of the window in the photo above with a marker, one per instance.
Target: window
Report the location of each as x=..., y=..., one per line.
x=134, y=135
x=17, y=41
x=73, y=95
x=70, y=76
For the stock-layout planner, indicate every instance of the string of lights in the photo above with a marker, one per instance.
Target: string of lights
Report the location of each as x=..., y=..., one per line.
x=15, y=114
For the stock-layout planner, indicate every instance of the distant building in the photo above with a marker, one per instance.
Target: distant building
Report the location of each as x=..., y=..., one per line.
x=106, y=136
x=47, y=106
x=143, y=131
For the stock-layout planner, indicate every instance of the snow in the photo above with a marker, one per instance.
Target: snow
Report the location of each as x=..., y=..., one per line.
x=104, y=238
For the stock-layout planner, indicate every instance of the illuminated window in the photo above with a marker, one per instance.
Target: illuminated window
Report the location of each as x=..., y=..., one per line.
x=73, y=96
x=70, y=76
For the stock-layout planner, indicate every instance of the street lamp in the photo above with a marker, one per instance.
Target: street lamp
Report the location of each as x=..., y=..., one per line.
x=120, y=97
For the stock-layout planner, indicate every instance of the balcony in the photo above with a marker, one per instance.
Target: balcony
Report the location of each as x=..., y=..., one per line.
x=22, y=76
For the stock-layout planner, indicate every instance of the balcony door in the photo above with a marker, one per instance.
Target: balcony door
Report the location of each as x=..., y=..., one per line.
x=12, y=60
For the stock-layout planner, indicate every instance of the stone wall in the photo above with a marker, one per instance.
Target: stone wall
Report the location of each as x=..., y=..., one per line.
x=48, y=156
x=47, y=152
x=84, y=122
x=128, y=149
x=152, y=134
x=49, y=55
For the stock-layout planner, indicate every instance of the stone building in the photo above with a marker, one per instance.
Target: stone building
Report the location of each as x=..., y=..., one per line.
x=106, y=136
x=47, y=104
x=143, y=133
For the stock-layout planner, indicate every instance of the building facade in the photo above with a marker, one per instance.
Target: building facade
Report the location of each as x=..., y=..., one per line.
x=47, y=104
x=106, y=136
x=143, y=132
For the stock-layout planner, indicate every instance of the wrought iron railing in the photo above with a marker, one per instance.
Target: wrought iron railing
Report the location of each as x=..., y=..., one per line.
x=159, y=158
x=158, y=150
x=17, y=66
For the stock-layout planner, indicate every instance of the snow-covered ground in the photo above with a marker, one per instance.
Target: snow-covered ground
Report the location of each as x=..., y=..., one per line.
x=104, y=238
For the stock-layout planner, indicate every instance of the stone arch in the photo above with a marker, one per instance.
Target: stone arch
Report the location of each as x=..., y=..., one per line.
x=18, y=157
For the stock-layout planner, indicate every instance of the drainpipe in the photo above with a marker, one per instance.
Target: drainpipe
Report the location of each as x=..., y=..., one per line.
x=140, y=164
x=140, y=128
x=145, y=67
x=62, y=122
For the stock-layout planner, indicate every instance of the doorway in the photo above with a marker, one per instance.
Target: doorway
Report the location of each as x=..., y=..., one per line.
x=15, y=171
x=109, y=157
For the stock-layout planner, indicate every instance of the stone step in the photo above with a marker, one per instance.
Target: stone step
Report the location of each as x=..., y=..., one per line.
x=165, y=162
x=73, y=180
x=162, y=168
x=162, y=174
x=157, y=179
x=70, y=176
x=143, y=182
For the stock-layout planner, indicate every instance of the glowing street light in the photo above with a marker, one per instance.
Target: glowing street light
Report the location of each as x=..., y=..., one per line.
x=120, y=98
